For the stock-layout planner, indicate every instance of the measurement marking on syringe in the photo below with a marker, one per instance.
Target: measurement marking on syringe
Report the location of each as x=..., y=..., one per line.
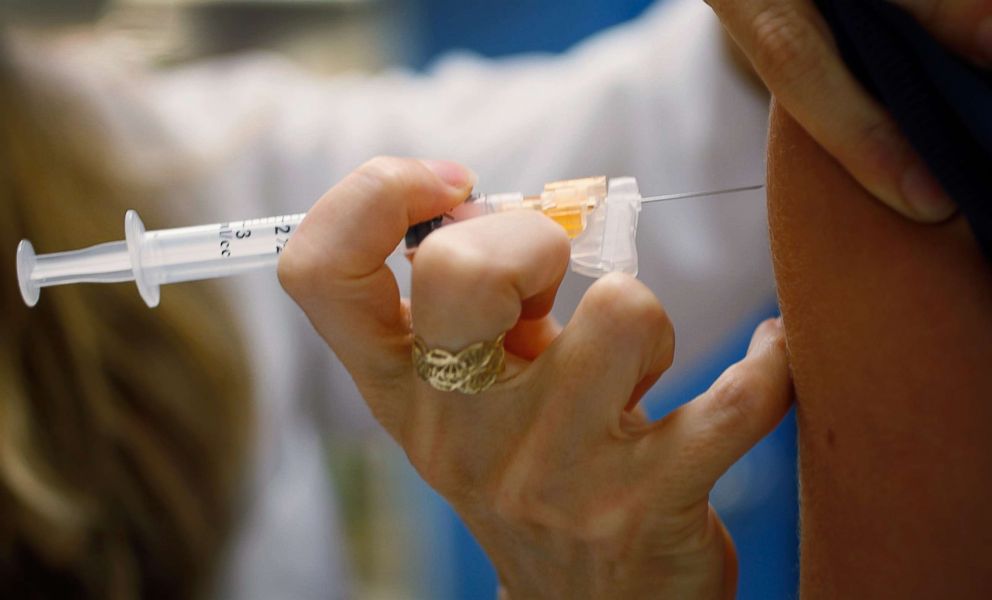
x=225, y=240
x=255, y=233
x=282, y=237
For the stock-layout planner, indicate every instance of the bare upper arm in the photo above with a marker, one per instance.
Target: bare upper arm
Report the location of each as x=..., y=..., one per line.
x=889, y=326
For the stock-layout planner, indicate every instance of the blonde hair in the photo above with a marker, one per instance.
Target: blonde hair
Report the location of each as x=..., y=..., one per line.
x=122, y=430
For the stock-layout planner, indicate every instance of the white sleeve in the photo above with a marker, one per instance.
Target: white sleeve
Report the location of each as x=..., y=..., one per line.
x=632, y=100
x=656, y=99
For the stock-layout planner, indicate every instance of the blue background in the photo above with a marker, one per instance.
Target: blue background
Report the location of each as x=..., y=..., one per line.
x=498, y=28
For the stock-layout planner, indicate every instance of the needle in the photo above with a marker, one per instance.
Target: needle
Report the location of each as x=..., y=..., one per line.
x=668, y=197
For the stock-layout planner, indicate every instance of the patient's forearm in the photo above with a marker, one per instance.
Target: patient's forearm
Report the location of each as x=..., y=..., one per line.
x=889, y=326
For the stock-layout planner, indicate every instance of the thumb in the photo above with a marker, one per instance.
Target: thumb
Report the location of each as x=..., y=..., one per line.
x=335, y=266
x=710, y=433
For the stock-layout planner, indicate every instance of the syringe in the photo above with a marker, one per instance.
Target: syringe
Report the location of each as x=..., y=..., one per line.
x=599, y=215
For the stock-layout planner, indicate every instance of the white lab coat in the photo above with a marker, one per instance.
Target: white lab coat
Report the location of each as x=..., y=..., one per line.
x=656, y=99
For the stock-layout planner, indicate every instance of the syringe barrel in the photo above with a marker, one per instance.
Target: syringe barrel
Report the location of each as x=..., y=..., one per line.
x=218, y=250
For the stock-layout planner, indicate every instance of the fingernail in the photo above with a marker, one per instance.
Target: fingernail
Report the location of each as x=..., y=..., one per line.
x=456, y=175
x=766, y=329
x=925, y=195
x=985, y=39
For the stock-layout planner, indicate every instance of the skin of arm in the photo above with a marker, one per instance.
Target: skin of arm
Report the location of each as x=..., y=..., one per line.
x=889, y=329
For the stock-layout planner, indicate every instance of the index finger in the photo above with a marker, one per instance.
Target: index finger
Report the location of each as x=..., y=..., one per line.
x=335, y=269
x=791, y=48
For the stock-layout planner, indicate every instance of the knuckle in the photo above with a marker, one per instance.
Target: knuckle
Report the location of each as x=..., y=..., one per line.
x=539, y=234
x=871, y=149
x=382, y=173
x=449, y=272
x=617, y=291
x=389, y=179
x=446, y=257
x=467, y=256
x=785, y=46
x=735, y=393
x=449, y=260
x=632, y=305
x=550, y=235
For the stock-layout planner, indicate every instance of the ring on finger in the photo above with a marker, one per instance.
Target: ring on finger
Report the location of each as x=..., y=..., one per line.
x=471, y=370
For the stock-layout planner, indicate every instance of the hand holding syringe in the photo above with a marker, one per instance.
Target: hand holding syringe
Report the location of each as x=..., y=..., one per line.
x=599, y=215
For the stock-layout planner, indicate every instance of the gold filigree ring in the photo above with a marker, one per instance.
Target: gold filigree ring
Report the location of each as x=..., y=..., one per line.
x=469, y=371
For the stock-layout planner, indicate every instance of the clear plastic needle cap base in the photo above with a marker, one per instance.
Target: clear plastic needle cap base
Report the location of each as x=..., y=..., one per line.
x=598, y=214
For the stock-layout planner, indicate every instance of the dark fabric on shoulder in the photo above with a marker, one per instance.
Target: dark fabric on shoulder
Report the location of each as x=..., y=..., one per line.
x=942, y=103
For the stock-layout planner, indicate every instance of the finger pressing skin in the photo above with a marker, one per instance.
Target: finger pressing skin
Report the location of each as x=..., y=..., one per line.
x=963, y=25
x=472, y=280
x=792, y=50
x=710, y=433
x=335, y=266
x=617, y=344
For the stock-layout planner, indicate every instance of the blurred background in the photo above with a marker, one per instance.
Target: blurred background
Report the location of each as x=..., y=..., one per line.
x=403, y=541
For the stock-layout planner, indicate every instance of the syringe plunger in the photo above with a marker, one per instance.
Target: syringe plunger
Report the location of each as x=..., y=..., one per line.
x=153, y=258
